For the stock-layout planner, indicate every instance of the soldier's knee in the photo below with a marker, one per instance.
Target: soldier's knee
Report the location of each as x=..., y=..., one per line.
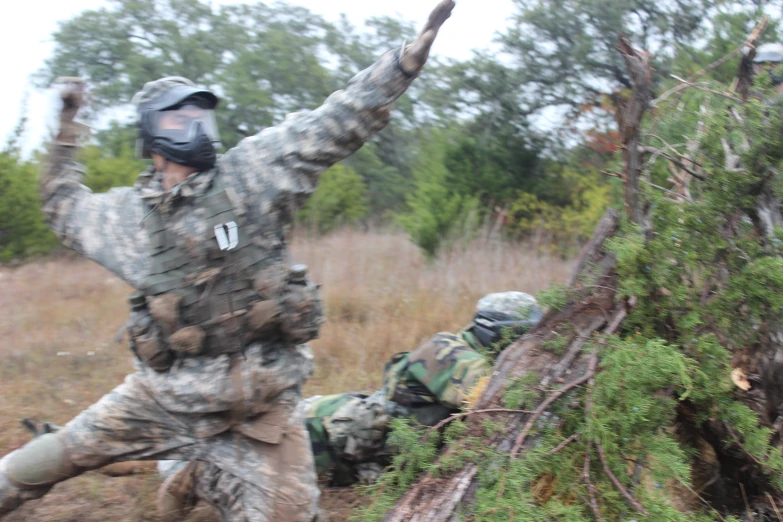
x=41, y=462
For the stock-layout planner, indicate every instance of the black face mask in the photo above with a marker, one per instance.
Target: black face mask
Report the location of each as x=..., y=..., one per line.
x=488, y=335
x=775, y=76
x=198, y=152
x=492, y=328
x=184, y=133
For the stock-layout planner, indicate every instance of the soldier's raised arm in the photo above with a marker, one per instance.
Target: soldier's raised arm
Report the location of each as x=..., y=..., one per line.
x=286, y=160
x=102, y=227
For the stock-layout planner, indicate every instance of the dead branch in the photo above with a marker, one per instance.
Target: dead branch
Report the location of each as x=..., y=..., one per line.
x=698, y=87
x=629, y=119
x=674, y=160
x=590, y=487
x=576, y=347
x=746, y=45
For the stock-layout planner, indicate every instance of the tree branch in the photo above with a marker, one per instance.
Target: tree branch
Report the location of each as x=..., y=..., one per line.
x=456, y=416
x=613, y=478
x=674, y=160
x=590, y=487
x=549, y=400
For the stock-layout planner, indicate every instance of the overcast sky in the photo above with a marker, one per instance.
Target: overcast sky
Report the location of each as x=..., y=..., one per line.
x=26, y=27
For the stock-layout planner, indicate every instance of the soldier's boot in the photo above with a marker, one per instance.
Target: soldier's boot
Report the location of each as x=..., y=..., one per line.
x=29, y=472
x=177, y=494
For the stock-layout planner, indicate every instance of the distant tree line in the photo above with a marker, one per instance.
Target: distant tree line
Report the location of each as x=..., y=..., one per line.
x=465, y=146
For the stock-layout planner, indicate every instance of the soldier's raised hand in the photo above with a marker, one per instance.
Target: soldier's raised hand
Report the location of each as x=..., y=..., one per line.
x=72, y=91
x=415, y=55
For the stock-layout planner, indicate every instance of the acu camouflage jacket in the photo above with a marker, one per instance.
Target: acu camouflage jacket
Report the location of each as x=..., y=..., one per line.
x=270, y=175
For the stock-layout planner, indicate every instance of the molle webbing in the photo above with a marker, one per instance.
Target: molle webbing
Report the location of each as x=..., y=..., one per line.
x=229, y=287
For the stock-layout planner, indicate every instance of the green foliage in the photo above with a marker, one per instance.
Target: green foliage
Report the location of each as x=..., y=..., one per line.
x=555, y=297
x=557, y=344
x=435, y=212
x=340, y=199
x=520, y=393
x=111, y=162
x=569, y=217
x=707, y=279
x=412, y=456
x=23, y=232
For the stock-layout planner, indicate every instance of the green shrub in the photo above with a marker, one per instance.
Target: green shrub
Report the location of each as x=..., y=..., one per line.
x=23, y=231
x=340, y=199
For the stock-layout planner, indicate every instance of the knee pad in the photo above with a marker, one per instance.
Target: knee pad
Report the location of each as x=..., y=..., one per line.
x=41, y=462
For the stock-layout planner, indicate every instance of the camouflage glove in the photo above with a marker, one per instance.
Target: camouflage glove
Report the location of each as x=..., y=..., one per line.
x=357, y=430
x=368, y=472
x=367, y=435
x=72, y=91
x=415, y=55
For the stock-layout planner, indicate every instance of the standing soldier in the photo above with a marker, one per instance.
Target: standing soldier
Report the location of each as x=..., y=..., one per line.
x=219, y=320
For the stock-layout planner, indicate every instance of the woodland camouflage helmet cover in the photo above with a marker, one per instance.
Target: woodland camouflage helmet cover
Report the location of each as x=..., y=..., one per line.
x=176, y=120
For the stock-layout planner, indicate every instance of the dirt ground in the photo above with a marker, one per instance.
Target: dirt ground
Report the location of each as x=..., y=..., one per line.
x=60, y=317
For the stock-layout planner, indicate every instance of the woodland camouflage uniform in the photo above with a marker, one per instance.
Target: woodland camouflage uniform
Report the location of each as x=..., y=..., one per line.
x=232, y=414
x=348, y=431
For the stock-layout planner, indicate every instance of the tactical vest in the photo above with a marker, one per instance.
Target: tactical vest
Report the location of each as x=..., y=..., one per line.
x=226, y=293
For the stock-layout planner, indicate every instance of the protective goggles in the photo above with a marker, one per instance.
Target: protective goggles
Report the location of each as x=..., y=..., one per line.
x=180, y=124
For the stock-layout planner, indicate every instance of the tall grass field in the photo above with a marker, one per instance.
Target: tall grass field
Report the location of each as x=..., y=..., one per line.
x=59, y=319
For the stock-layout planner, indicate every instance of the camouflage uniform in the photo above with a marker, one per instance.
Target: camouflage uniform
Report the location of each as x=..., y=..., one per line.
x=348, y=431
x=232, y=414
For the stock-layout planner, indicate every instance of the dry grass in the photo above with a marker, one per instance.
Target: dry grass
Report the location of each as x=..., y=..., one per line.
x=59, y=318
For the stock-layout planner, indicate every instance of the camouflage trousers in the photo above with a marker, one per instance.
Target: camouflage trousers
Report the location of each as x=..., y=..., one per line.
x=246, y=479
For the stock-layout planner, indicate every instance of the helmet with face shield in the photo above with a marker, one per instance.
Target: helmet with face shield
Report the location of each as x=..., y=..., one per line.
x=503, y=317
x=177, y=121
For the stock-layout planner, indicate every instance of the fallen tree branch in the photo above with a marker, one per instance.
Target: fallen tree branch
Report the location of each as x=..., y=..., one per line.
x=670, y=192
x=673, y=149
x=542, y=408
x=576, y=347
x=706, y=89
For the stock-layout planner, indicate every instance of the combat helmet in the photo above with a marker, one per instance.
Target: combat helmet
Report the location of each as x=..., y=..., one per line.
x=176, y=120
x=502, y=315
